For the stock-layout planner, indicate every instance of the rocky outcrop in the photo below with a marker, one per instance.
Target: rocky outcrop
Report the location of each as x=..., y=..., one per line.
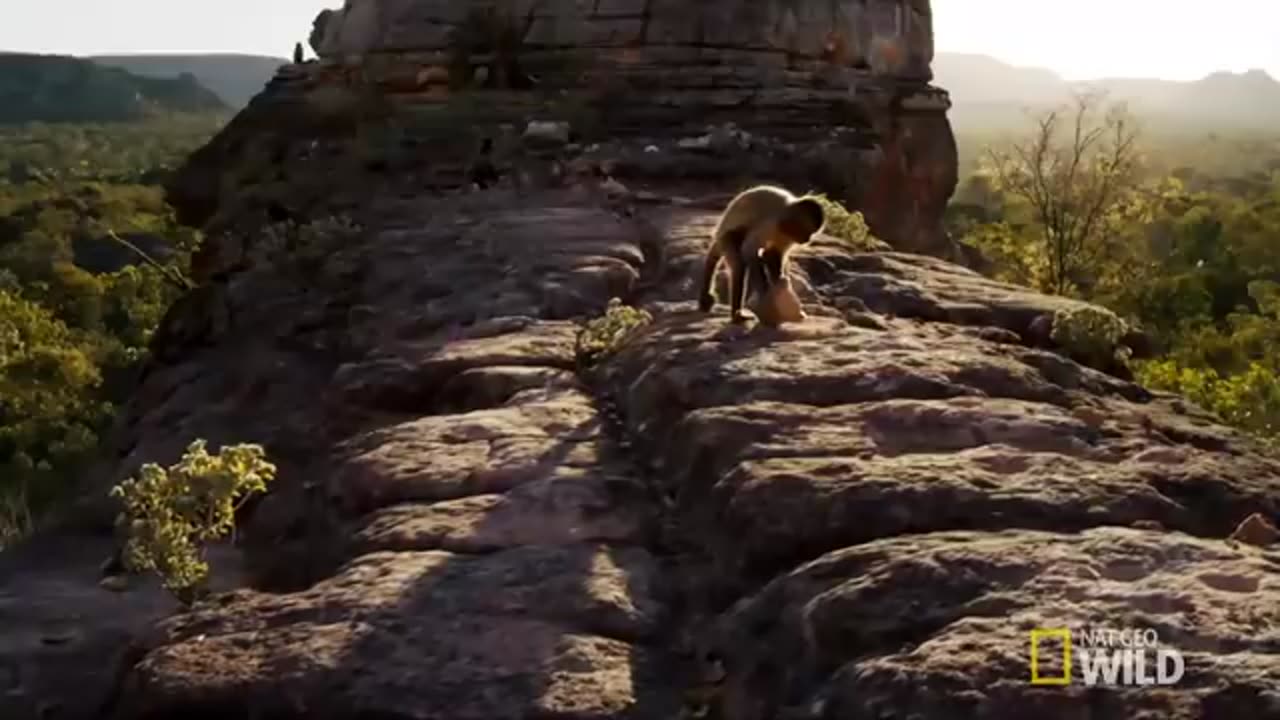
x=863, y=515
x=860, y=515
x=833, y=96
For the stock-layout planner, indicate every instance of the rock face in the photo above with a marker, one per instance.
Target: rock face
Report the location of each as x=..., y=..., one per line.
x=863, y=515
x=832, y=95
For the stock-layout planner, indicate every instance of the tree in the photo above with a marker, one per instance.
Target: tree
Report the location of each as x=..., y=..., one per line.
x=49, y=412
x=297, y=53
x=76, y=312
x=1078, y=173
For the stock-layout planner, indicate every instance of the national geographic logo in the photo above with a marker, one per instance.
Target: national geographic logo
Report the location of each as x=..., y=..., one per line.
x=1103, y=656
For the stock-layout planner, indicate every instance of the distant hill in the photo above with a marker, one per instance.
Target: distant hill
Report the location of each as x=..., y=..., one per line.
x=235, y=78
x=58, y=88
x=989, y=94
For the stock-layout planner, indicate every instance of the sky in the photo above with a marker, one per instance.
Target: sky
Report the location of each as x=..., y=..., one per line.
x=1080, y=39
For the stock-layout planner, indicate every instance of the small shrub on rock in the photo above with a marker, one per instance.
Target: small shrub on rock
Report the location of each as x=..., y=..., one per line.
x=1092, y=335
x=849, y=227
x=603, y=336
x=170, y=513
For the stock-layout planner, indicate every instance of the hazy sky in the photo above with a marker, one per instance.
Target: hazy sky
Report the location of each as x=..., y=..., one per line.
x=1081, y=39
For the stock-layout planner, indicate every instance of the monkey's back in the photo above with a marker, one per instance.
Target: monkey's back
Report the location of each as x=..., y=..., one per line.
x=751, y=207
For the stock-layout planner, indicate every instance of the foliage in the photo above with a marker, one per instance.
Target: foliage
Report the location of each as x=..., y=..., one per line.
x=1249, y=400
x=1006, y=246
x=1090, y=333
x=15, y=518
x=603, y=336
x=77, y=306
x=1075, y=173
x=49, y=411
x=850, y=227
x=169, y=514
x=134, y=154
x=1189, y=254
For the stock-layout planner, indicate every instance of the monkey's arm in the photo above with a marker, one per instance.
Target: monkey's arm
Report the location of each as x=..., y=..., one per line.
x=738, y=267
x=770, y=264
x=726, y=245
x=744, y=264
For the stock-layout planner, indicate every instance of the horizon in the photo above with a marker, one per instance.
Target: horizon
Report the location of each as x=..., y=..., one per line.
x=994, y=28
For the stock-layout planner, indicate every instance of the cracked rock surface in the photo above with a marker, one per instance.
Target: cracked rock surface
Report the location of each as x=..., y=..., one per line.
x=862, y=515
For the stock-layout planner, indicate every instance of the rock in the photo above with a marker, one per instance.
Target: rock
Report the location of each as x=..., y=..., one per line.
x=695, y=143
x=1256, y=530
x=728, y=137
x=545, y=628
x=318, y=40
x=466, y=523
x=114, y=583
x=614, y=188
x=969, y=602
x=64, y=638
x=735, y=87
x=547, y=133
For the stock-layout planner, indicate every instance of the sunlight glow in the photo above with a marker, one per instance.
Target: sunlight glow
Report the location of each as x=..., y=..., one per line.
x=1080, y=40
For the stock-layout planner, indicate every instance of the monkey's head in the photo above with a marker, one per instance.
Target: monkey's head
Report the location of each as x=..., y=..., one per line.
x=802, y=219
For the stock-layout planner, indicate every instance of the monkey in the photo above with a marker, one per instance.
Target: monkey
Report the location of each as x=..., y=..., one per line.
x=755, y=236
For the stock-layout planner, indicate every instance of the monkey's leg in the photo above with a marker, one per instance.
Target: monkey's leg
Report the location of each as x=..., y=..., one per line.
x=758, y=280
x=737, y=287
x=706, y=298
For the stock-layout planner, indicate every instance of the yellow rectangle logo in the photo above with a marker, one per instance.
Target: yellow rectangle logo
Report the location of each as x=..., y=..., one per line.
x=1063, y=635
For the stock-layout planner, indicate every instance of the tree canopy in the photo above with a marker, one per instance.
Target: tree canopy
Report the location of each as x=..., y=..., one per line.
x=1083, y=204
x=78, y=303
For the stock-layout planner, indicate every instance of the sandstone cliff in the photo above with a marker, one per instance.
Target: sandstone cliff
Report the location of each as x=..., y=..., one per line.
x=861, y=516
x=822, y=94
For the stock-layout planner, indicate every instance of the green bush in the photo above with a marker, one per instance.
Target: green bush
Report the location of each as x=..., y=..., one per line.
x=91, y=258
x=603, y=336
x=1249, y=400
x=49, y=415
x=1091, y=334
x=850, y=227
x=170, y=513
x=15, y=517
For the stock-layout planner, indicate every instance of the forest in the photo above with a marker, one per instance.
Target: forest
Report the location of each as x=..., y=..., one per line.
x=1175, y=232
x=78, y=203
